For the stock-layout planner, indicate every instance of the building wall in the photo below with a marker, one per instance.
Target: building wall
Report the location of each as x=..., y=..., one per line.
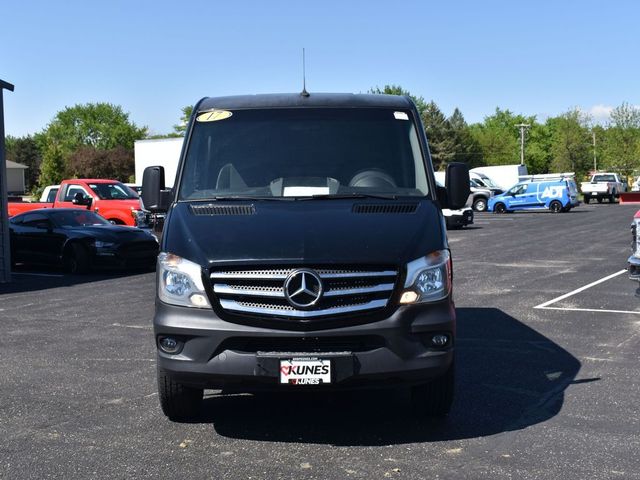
x=15, y=180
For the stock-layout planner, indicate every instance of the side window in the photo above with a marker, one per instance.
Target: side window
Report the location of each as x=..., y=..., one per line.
x=71, y=192
x=52, y=195
x=36, y=220
x=518, y=189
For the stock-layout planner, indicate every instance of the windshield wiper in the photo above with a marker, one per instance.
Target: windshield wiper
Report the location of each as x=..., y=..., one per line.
x=342, y=196
x=246, y=197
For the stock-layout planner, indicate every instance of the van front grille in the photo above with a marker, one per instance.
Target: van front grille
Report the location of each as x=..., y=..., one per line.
x=342, y=291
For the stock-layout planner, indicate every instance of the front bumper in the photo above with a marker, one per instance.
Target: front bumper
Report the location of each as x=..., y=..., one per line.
x=223, y=355
x=125, y=257
x=633, y=265
x=459, y=219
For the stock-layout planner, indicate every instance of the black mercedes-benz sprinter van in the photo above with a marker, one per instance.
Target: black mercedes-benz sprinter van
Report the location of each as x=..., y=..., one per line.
x=304, y=248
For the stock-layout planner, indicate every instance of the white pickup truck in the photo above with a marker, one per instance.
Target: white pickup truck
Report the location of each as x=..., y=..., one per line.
x=601, y=186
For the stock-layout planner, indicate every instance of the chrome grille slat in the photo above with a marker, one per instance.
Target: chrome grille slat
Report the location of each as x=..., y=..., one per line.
x=249, y=291
x=286, y=311
x=357, y=274
x=385, y=287
x=282, y=274
x=261, y=291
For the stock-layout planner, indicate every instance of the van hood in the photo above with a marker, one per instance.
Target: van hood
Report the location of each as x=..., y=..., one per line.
x=310, y=232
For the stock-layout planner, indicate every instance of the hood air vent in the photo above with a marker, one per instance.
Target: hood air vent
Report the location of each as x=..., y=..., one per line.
x=212, y=209
x=385, y=208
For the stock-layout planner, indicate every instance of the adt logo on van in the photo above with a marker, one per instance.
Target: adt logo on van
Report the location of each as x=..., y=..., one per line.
x=552, y=192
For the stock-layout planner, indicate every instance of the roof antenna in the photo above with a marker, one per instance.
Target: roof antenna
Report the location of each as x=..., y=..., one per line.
x=304, y=92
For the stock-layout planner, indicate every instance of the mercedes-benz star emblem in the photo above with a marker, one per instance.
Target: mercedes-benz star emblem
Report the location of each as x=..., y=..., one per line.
x=303, y=288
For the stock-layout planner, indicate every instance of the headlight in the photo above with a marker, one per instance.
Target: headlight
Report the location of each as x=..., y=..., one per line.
x=428, y=278
x=635, y=231
x=139, y=216
x=180, y=282
x=101, y=244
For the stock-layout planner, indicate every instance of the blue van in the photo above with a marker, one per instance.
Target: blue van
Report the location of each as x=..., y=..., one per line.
x=559, y=195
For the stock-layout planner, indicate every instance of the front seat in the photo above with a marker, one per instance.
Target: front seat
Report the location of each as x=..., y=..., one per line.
x=230, y=179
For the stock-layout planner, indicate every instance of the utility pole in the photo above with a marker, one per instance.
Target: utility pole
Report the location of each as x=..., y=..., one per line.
x=5, y=251
x=523, y=127
x=595, y=163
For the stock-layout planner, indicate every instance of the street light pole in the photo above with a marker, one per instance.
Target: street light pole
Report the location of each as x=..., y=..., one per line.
x=5, y=251
x=595, y=163
x=522, y=127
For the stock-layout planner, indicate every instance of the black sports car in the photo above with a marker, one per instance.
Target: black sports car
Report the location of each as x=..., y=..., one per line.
x=78, y=239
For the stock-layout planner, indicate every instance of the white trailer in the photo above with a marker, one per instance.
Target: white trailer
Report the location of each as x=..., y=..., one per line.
x=163, y=151
x=505, y=176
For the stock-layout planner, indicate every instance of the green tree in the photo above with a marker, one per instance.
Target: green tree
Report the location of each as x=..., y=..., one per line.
x=622, y=140
x=25, y=150
x=181, y=128
x=53, y=168
x=421, y=105
x=114, y=163
x=499, y=140
x=570, y=143
x=439, y=135
x=465, y=148
x=102, y=126
x=497, y=136
x=538, y=155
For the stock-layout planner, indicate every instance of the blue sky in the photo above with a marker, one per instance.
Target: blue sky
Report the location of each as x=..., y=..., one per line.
x=153, y=57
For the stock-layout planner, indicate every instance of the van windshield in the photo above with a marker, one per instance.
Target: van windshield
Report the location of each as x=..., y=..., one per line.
x=304, y=152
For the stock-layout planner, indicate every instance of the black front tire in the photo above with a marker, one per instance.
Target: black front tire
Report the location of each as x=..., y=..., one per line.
x=434, y=399
x=587, y=199
x=178, y=401
x=499, y=208
x=555, y=206
x=77, y=259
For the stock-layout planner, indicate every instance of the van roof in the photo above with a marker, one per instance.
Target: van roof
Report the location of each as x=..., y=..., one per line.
x=296, y=100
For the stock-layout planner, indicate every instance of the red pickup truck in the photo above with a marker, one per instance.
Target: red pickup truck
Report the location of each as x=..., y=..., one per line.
x=111, y=199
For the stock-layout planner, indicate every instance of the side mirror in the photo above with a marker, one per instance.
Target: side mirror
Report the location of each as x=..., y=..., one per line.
x=80, y=199
x=457, y=185
x=155, y=197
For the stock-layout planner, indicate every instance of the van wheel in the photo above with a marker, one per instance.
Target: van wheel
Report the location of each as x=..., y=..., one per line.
x=178, y=402
x=77, y=259
x=499, y=208
x=480, y=205
x=434, y=399
x=555, y=206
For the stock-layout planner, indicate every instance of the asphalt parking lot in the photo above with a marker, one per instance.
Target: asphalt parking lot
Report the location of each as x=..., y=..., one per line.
x=547, y=381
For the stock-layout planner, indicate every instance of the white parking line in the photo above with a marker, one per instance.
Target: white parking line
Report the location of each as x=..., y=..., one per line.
x=597, y=310
x=545, y=305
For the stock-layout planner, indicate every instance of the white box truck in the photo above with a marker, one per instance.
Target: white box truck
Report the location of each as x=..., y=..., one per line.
x=505, y=176
x=161, y=151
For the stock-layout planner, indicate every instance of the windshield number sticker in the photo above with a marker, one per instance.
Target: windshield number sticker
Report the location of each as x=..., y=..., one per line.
x=214, y=116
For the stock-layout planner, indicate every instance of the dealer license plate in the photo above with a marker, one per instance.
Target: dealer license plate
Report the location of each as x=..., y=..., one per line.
x=305, y=371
